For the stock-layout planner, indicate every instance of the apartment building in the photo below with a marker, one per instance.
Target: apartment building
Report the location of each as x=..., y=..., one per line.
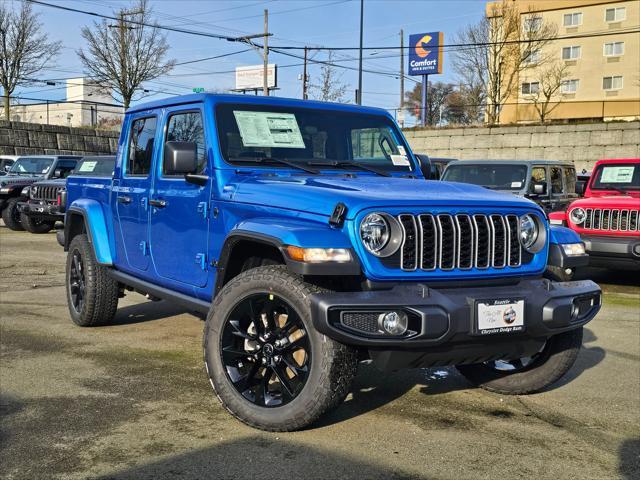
x=597, y=48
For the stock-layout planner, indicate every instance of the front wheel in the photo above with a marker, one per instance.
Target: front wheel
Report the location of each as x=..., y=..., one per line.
x=530, y=374
x=11, y=215
x=267, y=364
x=35, y=225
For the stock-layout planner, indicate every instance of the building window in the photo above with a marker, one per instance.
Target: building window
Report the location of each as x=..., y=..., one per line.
x=572, y=19
x=613, y=49
x=529, y=88
x=612, y=83
x=532, y=57
x=532, y=23
x=615, y=14
x=571, y=53
x=569, y=86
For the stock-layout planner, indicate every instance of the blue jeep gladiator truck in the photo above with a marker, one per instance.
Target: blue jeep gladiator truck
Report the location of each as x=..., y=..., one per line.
x=307, y=235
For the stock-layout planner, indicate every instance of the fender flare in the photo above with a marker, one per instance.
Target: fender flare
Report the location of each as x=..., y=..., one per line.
x=560, y=235
x=95, y=225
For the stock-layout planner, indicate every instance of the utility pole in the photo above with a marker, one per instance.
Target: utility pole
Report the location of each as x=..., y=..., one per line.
x=265, y=55
x=305, y=96
x=401, y=76
x=359, y=95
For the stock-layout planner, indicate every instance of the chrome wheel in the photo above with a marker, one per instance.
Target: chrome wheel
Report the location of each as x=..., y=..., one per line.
x=265, y=350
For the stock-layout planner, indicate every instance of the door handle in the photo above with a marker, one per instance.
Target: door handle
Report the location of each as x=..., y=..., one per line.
x=124, y=200
x=158, y=203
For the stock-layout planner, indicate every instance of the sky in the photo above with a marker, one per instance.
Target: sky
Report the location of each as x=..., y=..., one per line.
x=328, y=23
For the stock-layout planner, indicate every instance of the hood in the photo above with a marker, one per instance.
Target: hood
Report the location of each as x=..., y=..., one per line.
x=612, y=201
x=11, y=180
x=58, y=182
x=319, y=194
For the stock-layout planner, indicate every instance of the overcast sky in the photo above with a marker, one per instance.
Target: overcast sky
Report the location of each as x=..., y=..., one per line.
x=293, y=23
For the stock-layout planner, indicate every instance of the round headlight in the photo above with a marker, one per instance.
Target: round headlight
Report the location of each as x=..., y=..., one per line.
x=375, y=232
x=528, y=231
x=578, y=215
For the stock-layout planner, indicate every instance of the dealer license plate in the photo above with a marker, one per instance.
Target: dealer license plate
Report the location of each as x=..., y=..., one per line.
x=500, y=316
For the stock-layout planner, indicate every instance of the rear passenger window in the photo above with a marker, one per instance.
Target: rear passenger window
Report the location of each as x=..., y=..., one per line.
x=187, y=127
x=556, y=180
x=570, y=179
x=538, y=175
x=143, y=131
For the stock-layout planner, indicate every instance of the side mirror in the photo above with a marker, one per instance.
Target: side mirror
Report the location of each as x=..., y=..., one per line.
x=581, y=187
x=425, y=166
x=540, y=188
x=57, y=173
x=180, y=158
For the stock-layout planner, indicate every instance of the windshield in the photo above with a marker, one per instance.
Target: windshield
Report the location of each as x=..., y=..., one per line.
x=31, y=166
x=616, y=176
x=309, y=136
x=498, y=177
x=102, y=167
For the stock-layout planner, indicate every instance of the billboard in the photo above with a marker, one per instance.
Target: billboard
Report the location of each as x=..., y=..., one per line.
x=250, y=77
x=425, y=53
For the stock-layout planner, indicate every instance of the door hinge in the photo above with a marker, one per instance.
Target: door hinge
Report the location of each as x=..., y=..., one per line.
x=143, y=247
x=201, y=259
x=203, y=209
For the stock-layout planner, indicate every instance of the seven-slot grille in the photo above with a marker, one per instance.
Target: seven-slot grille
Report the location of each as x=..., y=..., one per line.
x=448, y=242
x=612, y=219
x=45, y=192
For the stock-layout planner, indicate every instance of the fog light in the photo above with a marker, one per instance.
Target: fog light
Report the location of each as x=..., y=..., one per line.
x=575, y=310
x=573, y=249
x=393, y=323
x=636, y=249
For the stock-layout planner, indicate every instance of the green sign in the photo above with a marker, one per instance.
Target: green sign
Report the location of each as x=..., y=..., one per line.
x=198, y=90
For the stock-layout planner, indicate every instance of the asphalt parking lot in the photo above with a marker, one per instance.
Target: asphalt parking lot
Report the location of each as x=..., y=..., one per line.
x=132, y=400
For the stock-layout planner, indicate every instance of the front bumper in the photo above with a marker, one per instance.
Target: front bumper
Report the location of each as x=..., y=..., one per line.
x=609, y=251
x=444, y=320
x=41, y=209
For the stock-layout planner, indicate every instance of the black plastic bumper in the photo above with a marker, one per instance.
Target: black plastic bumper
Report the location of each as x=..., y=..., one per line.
x=41, y=210
x=444, y=320
x=613, y=252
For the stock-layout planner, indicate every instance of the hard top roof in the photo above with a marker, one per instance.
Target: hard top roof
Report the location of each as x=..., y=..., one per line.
x=513, y=162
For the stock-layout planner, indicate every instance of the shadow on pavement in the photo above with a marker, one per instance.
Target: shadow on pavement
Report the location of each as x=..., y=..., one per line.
x=256, y=456
x=590, y=356
x=629, y=452
x=146, y=312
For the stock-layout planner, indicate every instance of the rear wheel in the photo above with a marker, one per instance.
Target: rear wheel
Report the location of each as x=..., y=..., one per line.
x=528, y=374
x=267, y=364
x=11, y=215
x=35, y=225
x=92, y=295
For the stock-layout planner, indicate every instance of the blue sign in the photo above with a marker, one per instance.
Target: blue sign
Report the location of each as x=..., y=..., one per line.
x=425, y=53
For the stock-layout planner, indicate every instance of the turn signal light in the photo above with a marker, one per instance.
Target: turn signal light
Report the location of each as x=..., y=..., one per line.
x=319, y=255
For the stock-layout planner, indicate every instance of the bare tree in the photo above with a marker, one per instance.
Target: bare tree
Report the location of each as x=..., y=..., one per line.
x=24, y=49
x=437, y=95
x=331, y=87
x=499, y=48
x=546, y=98
x=121, y=57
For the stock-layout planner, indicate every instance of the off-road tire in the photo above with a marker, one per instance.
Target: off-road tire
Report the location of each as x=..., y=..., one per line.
x=11, y=215
x=33, y=225
x=101, y=291
x=558, y=274
x=556, y=359
x=333, y=365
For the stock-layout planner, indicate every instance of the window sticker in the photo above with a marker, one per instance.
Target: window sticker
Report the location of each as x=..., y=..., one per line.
x=402, y=150
x=400, y=160
x=617, y=174
x=87, y=167
x=269, y=129
x=516, y=184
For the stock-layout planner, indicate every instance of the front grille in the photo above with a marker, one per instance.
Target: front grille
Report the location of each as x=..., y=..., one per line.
x=448, y=242
x=612, y=219
x=45, y=192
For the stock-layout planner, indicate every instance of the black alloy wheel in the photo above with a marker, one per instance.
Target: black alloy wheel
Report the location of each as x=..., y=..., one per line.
x=265, y=350
x=77, y=282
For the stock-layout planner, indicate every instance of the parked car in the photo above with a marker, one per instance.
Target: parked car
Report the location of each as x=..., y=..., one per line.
x=551, y=184
x=5, y=163
x=44, y=202
x=433, y=167
x=607, y=217
x=25, y=171
x=307, y=235
x=582, y=179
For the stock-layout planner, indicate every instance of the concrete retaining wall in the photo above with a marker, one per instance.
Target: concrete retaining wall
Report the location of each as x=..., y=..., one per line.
x=581, y=143
x=18, y=138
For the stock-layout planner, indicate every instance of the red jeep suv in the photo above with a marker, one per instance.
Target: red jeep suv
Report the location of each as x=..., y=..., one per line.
x=608, y=217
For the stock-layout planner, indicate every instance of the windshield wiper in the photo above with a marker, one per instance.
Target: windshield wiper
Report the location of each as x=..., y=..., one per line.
x=281, y=161
x=342, y=164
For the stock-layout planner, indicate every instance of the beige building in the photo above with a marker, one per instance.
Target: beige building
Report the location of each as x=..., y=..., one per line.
x=85, y=106
x=598, y=50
